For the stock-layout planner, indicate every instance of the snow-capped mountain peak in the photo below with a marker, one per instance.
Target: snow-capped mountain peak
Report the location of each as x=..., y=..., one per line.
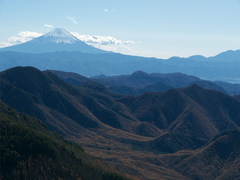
x=56, y=40
x=60, y=35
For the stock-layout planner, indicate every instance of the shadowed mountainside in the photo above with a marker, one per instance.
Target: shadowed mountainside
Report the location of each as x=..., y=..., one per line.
x=187, y=110
x=237, y=97
x=220, y=159
x=139, y=135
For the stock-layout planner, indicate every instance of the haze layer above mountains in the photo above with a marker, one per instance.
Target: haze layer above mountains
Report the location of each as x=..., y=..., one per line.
x=60, y=50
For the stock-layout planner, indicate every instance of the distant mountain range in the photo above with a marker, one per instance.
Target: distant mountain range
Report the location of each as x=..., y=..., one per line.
x=157, y=135
x=141, y=82
x=60, y=50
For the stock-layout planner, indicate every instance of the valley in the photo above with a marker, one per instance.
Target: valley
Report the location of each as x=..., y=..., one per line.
x=149, y=136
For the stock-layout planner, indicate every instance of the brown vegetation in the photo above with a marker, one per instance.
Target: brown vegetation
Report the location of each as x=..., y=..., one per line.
x=153, y=136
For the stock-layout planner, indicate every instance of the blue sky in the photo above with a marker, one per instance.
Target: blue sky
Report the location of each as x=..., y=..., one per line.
x=156, y=28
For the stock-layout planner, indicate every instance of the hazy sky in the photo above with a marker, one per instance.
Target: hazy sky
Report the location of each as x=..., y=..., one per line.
x=153, y=28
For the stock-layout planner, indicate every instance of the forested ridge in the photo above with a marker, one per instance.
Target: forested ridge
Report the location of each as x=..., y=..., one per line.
x=30, y=151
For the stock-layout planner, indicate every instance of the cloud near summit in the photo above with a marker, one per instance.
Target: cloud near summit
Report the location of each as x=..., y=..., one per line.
x=21, y=37
x=102, y=42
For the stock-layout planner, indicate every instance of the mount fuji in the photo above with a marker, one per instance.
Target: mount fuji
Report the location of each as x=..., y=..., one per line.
x=60, y=50
x=57, y=40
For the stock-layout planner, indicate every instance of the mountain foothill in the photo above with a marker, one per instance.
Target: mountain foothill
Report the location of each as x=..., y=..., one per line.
x=154, y=135
x=29, y=150
x=69, y=110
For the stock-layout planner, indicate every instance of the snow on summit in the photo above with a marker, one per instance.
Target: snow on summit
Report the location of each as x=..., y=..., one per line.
x=60, y=35
x=56, y=40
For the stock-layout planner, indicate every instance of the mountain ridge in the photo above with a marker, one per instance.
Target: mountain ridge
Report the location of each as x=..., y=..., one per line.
x=110, y=64
x=171, y=110
x=126, y=131
x=138, y=83
x=29, y=150
x=217, y=157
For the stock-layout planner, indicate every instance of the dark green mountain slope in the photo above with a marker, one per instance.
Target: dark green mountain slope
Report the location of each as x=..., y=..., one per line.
x=30, y=151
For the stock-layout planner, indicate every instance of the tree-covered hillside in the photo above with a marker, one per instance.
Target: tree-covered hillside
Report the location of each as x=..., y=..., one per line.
x=30, y=151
